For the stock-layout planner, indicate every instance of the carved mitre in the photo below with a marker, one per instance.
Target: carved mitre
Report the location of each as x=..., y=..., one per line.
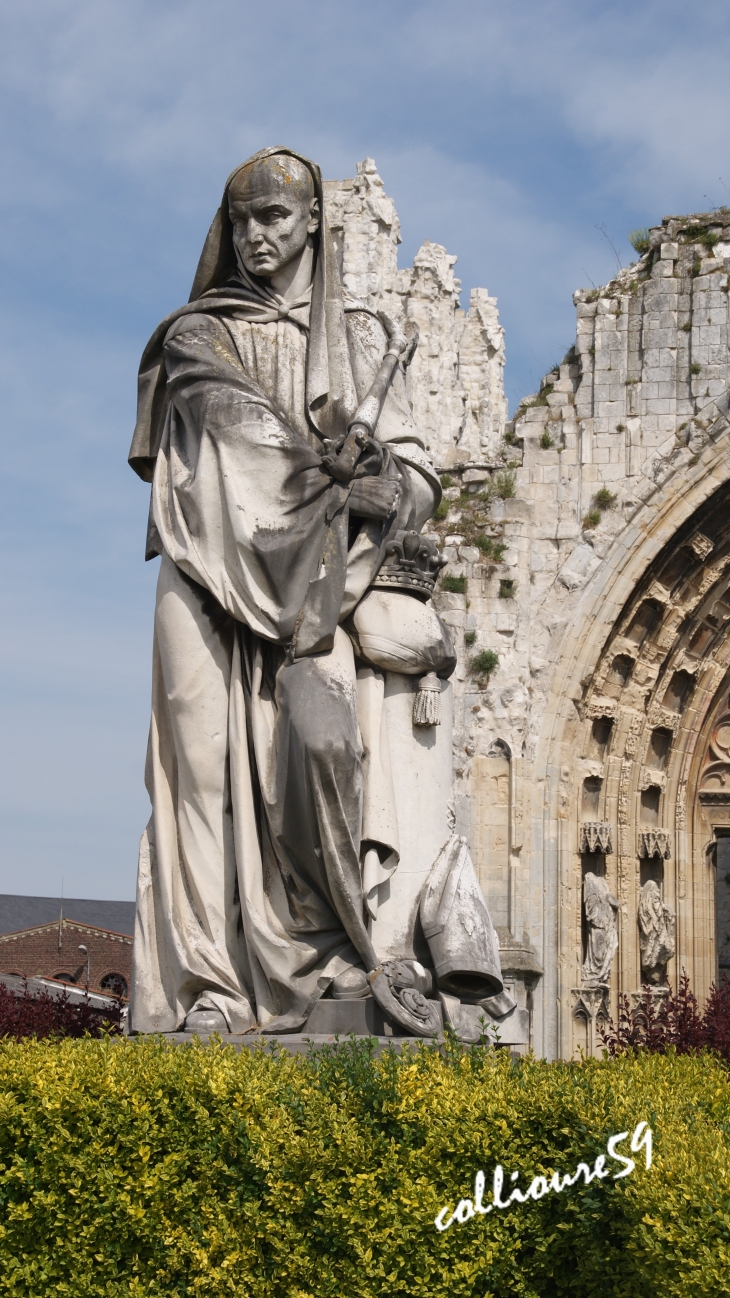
x=412, y=564
x=457, y=926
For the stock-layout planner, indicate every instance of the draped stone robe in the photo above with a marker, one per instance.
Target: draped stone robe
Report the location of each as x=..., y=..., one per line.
x=267, y=764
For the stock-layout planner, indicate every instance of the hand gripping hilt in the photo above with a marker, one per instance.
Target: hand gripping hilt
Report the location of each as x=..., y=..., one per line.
x=342, y=462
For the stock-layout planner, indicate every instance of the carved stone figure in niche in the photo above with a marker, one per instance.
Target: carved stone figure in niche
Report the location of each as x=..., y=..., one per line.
x=289, y=489
x=600, y=910
x=656, y=933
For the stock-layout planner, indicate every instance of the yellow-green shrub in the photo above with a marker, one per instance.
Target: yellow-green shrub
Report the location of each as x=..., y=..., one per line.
x=138, y=1168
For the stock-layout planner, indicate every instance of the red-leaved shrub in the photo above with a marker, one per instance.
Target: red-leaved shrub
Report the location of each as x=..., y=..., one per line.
x=656, y=1023
x=39, y=1014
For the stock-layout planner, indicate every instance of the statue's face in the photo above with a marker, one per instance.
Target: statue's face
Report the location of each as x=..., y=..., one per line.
x=274, y=213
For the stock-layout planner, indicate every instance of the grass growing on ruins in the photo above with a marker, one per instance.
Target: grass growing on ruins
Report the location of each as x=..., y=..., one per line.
x=505, y=484
x=703, y=235
x=541, y=399
x=484, y=663
x=455, y=585
x=605, y=499
x=592, y=518
x=639, y=240
x=135, y=1168
x=487, y=546
x=472, y=516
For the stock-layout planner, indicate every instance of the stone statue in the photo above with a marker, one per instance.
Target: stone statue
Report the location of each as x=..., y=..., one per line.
x=656, y=933
x=289, y=489
x=600, y=909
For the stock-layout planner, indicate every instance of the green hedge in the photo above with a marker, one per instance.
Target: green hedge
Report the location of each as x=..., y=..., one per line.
x=138, y=1168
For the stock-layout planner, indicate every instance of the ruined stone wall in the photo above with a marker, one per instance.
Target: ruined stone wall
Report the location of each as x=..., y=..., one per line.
x=588, y=544
x=456, y=379
x=608, y=457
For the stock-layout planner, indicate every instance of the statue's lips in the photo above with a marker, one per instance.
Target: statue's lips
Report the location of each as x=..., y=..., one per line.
x=262, y=260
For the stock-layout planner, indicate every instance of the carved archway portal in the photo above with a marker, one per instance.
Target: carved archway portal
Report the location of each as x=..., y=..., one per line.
x=652, y=772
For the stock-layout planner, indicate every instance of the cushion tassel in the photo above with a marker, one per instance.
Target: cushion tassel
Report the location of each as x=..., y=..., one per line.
x=427, y=701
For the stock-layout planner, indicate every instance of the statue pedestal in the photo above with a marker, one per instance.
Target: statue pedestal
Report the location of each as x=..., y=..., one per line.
x=591, y=1005
x=363, y=1017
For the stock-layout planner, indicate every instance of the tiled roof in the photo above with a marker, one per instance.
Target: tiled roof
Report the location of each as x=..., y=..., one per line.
x=18, y=913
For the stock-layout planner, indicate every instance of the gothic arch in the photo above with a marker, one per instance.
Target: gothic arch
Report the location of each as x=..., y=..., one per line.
x=625, y=757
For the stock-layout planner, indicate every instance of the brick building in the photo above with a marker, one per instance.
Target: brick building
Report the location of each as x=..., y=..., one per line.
x=44, y=936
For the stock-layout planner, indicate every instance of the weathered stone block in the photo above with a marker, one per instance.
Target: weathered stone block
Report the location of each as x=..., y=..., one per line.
x=454, y=617
x=450, y=602
x=518, y=511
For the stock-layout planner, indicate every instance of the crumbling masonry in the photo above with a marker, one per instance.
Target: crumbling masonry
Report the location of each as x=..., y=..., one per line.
x=588, y=543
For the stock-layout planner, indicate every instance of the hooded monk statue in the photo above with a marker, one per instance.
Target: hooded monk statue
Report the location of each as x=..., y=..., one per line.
x=289, y=490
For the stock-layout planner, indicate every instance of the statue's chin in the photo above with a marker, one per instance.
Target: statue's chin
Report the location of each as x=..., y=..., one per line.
x=263, y=270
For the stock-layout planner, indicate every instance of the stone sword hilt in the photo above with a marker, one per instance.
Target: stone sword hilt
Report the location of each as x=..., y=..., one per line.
x=402, y=343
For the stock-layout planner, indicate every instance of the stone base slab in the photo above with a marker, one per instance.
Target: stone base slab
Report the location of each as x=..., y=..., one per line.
x=331, y=1020
x=363, y=1016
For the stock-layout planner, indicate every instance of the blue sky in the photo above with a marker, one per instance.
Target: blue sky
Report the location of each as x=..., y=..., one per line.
x=508, y=132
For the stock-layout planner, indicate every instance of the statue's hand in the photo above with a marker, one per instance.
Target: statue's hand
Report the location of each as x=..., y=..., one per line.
x=374, y=497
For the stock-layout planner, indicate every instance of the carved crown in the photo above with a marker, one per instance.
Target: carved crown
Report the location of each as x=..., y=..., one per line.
x=412, y=563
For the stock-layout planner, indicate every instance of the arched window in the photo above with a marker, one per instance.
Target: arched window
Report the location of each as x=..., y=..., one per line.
x=64, y=977
x=114, y=984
